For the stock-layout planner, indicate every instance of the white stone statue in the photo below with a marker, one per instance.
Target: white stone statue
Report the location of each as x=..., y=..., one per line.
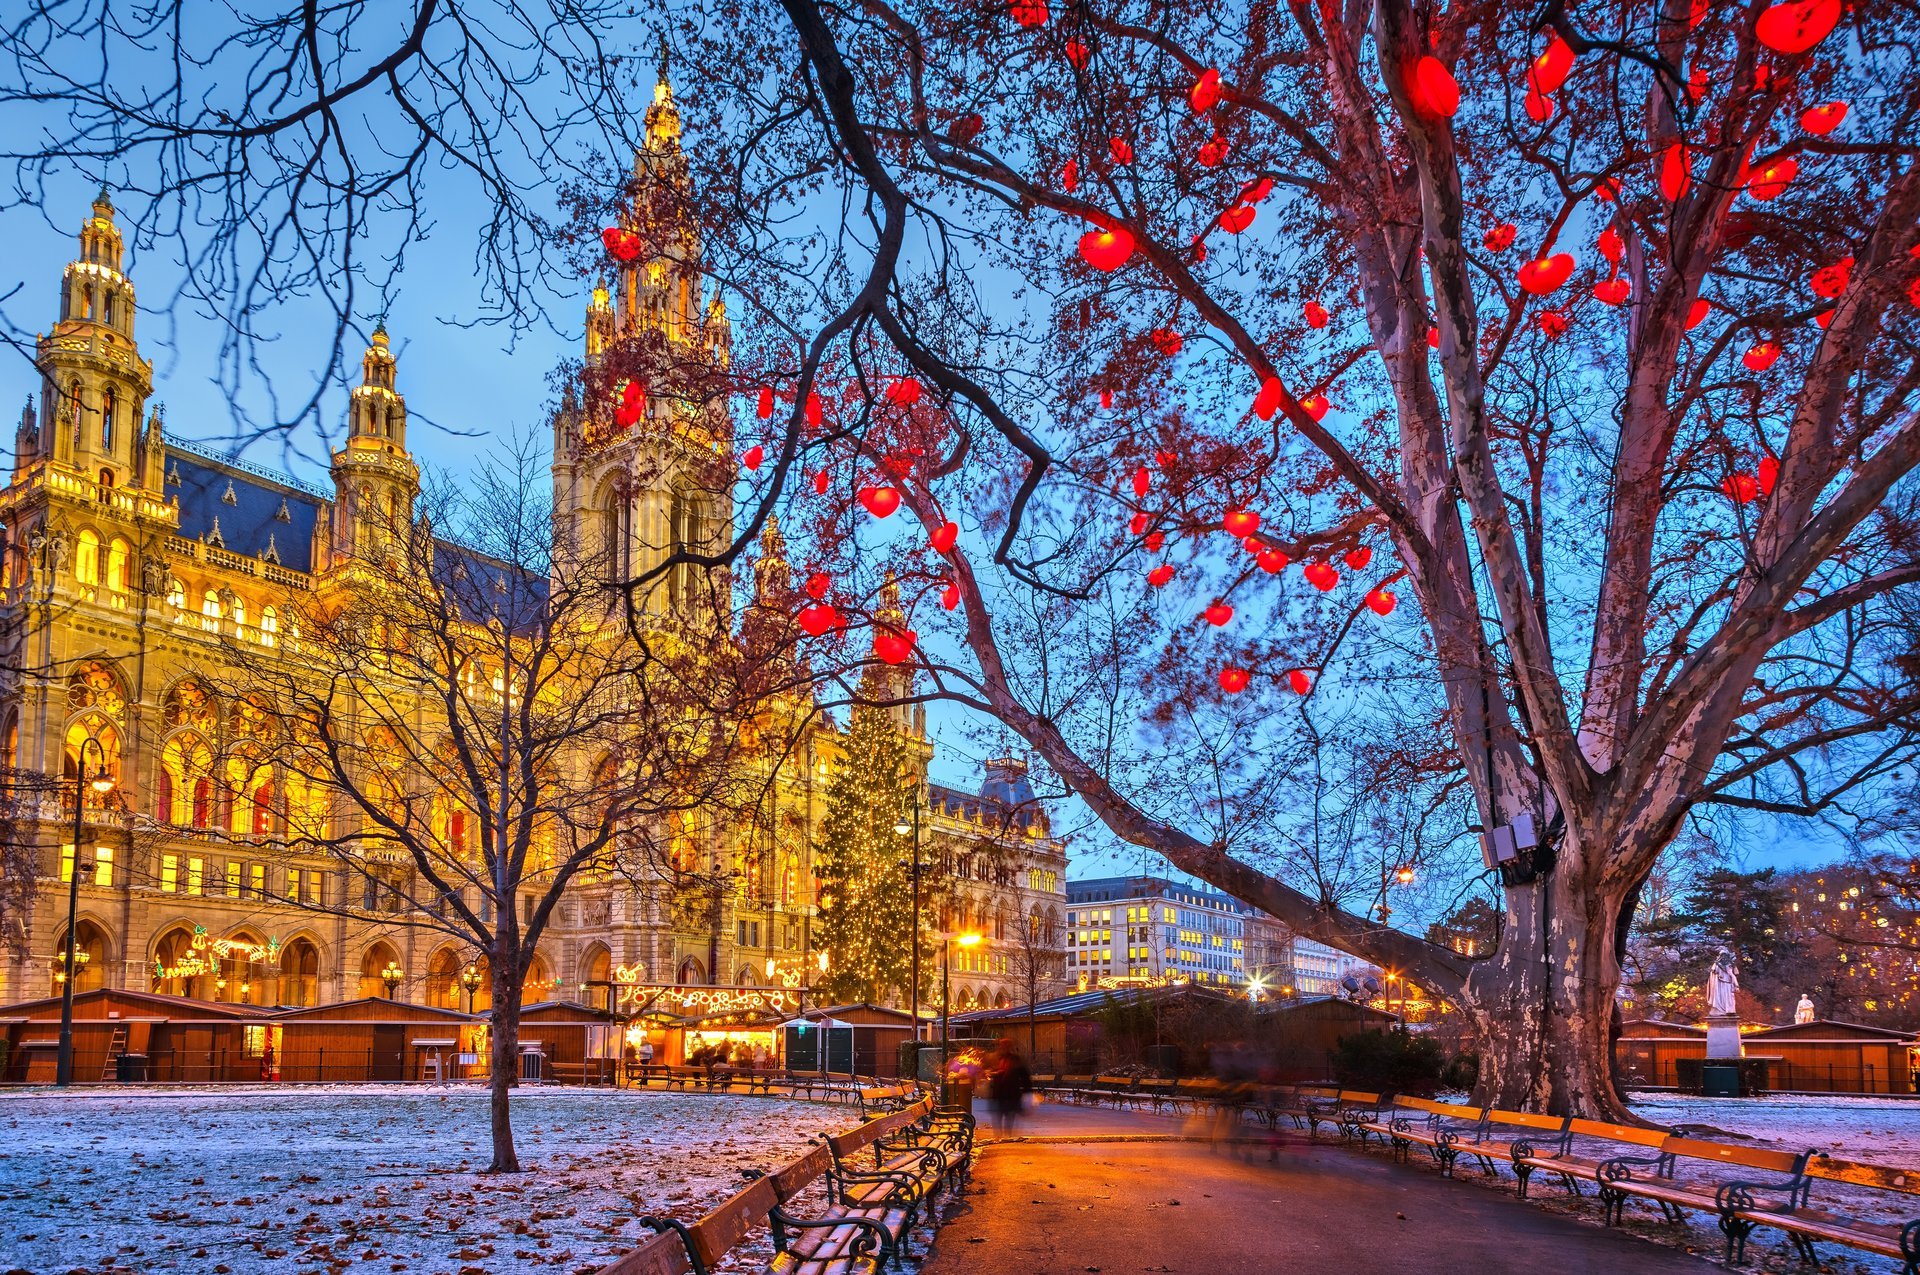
x=1723, y=980
x=1803, y=1012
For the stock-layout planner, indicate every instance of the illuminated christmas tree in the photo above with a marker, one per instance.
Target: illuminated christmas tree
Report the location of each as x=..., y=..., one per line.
x=866, y=920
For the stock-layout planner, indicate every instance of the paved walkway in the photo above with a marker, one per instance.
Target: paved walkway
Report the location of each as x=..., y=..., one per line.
x=1120, y=1192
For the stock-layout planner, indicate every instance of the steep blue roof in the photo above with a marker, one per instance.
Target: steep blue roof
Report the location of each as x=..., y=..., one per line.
x=253, y=510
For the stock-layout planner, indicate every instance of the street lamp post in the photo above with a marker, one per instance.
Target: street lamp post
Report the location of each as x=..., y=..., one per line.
x=903, y=828
x=101, y=783
x=392, y=975
x=470, y=979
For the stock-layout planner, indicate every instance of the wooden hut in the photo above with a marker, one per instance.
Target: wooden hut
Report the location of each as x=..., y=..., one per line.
x=374, y=1039
x=1648, y=1049
x=166, y=1038
x=1297, y=1037
x=577, y=1044
x=1823, y=1056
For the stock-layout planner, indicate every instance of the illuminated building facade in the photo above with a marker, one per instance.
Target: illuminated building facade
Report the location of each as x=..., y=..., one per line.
x=131, y=560
x=1152, y=930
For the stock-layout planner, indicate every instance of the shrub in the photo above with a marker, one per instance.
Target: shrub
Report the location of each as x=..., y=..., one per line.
x=1390, y=1061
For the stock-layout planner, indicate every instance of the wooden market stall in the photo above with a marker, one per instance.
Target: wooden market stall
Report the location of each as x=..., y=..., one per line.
x=576, y=1044
x=1823, y=1056
x=166, y=1038
x=376, y=1039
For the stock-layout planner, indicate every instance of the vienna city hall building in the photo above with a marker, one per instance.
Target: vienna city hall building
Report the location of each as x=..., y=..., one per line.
x=132, y=561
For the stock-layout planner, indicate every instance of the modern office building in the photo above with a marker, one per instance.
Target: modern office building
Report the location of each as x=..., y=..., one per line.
x=1143, y=929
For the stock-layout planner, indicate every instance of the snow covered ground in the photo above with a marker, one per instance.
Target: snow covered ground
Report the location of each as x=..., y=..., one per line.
x=368, y=1178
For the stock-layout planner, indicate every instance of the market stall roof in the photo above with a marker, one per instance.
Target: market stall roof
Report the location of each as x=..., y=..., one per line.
x=810, y=1021
x=1095, y=999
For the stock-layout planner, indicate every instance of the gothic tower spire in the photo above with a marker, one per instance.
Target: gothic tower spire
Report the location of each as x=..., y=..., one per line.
x=94, y=383
x=375, y=478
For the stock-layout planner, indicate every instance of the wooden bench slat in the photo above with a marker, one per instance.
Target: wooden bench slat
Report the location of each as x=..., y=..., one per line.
x=662, y=1254
x=727, y=1225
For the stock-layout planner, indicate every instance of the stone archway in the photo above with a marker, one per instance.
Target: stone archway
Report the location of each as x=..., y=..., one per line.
x=90, y=958
x=300, y=973
x=373, y=964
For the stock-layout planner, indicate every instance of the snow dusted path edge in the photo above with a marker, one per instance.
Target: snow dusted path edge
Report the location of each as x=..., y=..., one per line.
x=369, y=1178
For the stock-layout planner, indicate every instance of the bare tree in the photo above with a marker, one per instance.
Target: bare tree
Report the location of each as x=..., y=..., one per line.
x=1038, y=965
x=469, y=726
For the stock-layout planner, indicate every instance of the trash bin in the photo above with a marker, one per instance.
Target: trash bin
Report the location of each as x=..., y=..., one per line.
x=1720, y=1080
x=957, y=1095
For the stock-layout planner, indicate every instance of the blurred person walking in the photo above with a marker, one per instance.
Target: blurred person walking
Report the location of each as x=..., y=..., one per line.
x=1008, y=1083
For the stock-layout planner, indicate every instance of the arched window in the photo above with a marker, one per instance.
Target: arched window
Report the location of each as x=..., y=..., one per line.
x=300, y=973
x=238, y=614
x=263, y=808
x=183, y=792
x=10, y=744
x=210, y=611
x=109, y=402
x=309, y=809
x=372, y=968
x=103, y=750
x=179, y=967
x=596, y=977
x=269, y=626
x=117, y=554
x=176, y=599
x=89, y=960
x=539, y=985
x=446, y=985
x=86, y=561
x=241, y=979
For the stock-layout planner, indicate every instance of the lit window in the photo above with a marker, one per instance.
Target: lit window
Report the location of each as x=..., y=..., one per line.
x=210, y=610
x=196, y=868
x=86, y=561
x=170, y=872
x=269, y=627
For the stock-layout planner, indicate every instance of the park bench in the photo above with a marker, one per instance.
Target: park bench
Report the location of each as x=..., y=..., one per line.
x=1301, y=1101
x=1158, y=1093
x=1737, y=1202
x=1349, y=1109
x=1118, y=1090
x=1805, y=1225
x=1074, y=1088
x=849, y=1237
x=904, y=1173
x=1420, y=1122
x=863, y=1219
x=831, y=1088
x=1574, y=1165
x=879, y=1099
x=1512, y=1137
x=950, y=1132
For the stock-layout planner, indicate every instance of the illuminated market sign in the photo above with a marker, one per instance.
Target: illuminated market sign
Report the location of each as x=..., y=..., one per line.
x=635, y=997
x=204, y=953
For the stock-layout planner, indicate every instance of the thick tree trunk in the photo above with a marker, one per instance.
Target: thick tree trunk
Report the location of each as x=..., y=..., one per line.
x=505, y=1072
x=1543, y=1005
